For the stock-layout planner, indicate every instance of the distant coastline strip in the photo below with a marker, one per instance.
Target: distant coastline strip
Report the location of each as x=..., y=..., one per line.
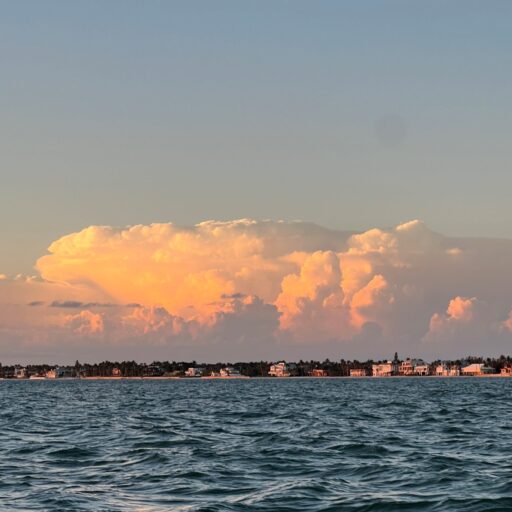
x=468, y=367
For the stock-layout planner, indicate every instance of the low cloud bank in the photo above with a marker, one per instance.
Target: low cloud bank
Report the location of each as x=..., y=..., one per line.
x=250, y=288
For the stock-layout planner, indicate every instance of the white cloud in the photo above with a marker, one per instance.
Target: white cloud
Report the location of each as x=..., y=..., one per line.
x=245, y=282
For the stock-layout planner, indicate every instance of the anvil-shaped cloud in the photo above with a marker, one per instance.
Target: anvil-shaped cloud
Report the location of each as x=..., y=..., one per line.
x=247, y=288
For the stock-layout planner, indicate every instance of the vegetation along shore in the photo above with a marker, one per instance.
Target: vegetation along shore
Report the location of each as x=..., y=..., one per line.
x=396, y=367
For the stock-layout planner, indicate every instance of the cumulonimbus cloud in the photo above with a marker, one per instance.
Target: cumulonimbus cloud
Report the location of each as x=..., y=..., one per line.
x=247, y=282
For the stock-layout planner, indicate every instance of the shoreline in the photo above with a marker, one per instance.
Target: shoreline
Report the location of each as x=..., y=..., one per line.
x=245, y=377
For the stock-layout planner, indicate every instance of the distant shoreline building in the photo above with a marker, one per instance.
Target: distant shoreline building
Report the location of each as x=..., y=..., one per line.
x=413, y=367
x=282, y=369
x=422, y=369
x=194, y=372
x=226, y=373
x=60, y=372
x=443, y=370
x=358, y=372
x=229, y=371
x=318, y=372
x=407, y=367
x=387, y=369
x=20, y=372
x=476, y=369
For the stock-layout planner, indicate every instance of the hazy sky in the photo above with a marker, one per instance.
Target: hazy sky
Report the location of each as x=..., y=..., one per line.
x=357, y=117
x=348, y=114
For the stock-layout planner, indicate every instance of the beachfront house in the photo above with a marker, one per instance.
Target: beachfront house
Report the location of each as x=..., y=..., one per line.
x=20, y=372
x=280, y=369
x=443, y=370
x=506, y=370
x=422, y=369
x=476, y=369
x=194, y=372
x=229, y=371
x=407, y=367
x=387, y=369
x=318, y=372
x=358, y=372
x=60, y=372
x=413, y=367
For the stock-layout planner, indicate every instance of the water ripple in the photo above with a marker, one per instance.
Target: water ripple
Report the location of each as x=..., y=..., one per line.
x=262, y=444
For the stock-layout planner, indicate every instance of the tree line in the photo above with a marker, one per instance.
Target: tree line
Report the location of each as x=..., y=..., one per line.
x=301, y=368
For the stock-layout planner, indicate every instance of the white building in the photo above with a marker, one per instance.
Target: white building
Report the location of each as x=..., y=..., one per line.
x=358, y=372
x=406, y=367
x=20, y=372
x=421, y=369
x=443, y=370
x=194, y=372
x=413, y=367
x=387, y=369
x=280, y=369
x=229, y=372
x=476, y=369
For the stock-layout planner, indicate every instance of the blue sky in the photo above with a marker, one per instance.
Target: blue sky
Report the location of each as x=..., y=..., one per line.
x=348, y=114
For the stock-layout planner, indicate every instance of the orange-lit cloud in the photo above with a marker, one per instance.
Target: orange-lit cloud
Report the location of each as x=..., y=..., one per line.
x=469, y=321
x=85, y=323
x=460, y=311
x=245, y=282
x=184, y=270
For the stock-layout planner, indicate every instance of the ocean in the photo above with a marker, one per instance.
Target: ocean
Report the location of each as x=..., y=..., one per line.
x=435, y=444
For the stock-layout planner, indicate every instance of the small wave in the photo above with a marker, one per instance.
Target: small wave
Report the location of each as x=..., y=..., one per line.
x=333, y=445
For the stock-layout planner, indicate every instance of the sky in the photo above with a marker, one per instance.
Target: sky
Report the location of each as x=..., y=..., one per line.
x=346, y=116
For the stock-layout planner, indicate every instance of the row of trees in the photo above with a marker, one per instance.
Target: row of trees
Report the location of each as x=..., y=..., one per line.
x=251, y=369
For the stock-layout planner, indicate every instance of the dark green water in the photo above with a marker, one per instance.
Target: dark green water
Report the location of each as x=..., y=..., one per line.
x=273, y=445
